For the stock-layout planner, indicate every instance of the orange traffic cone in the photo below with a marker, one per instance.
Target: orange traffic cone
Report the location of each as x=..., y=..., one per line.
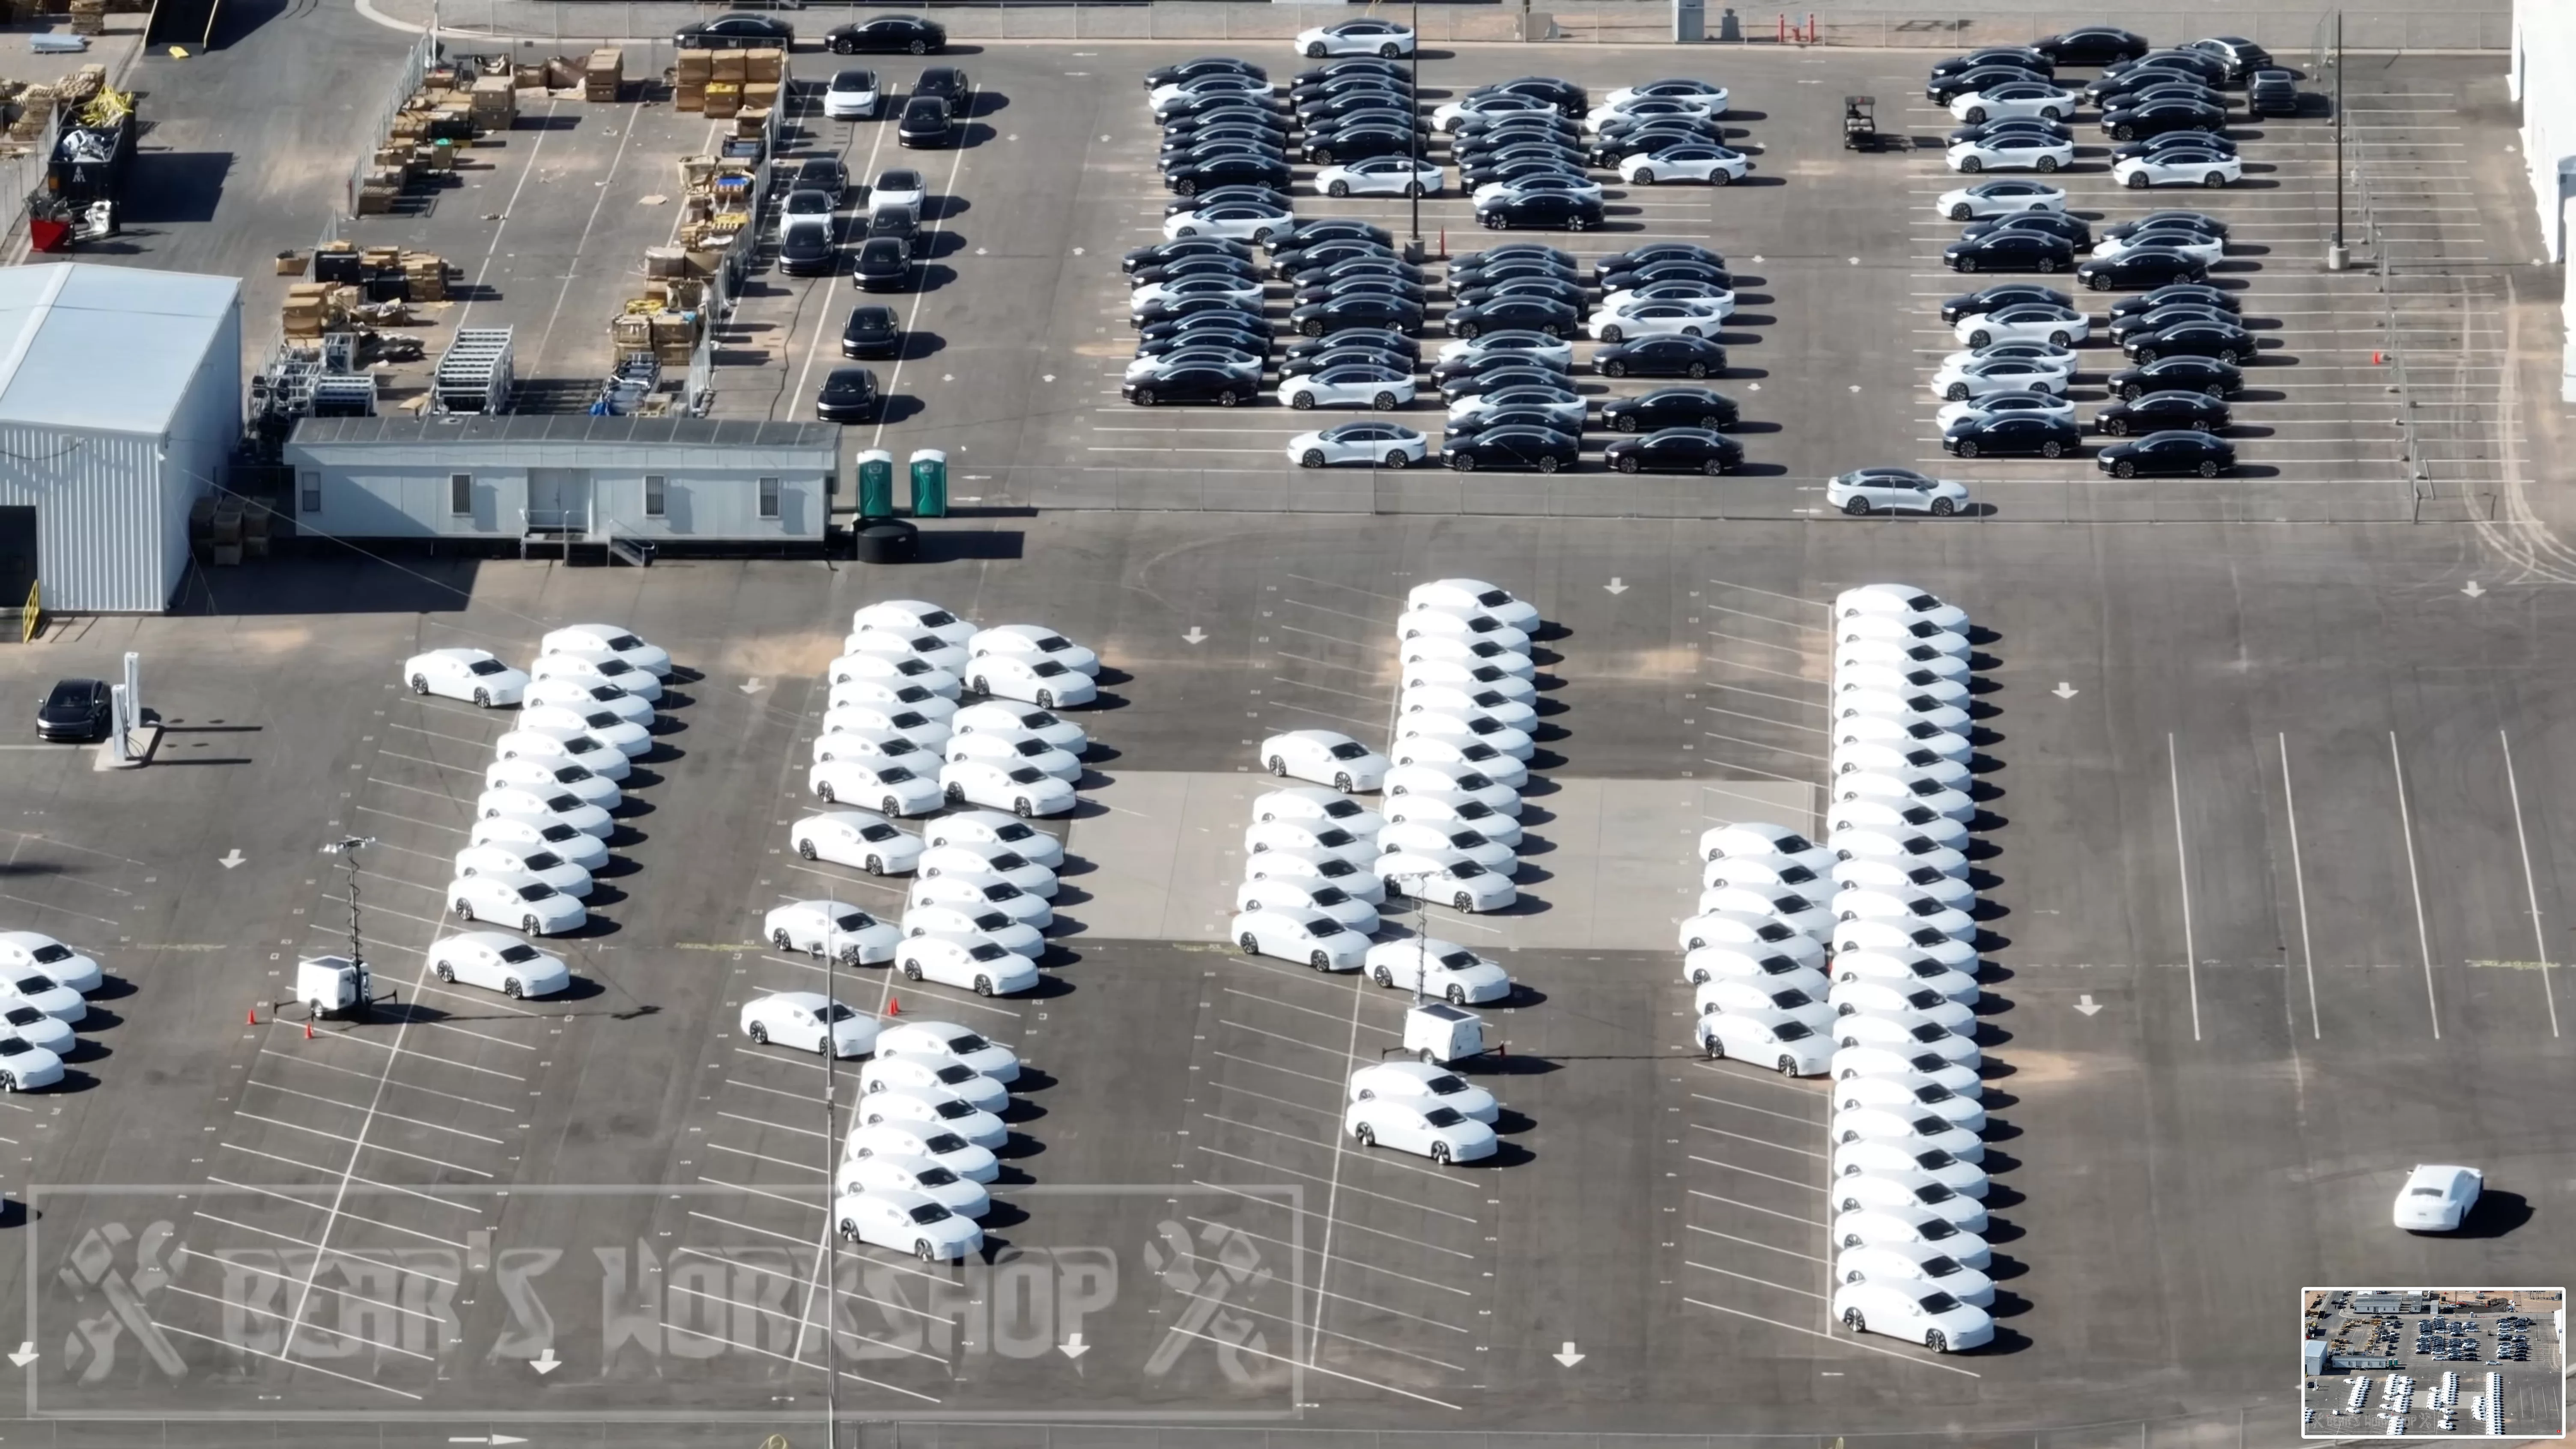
x=893, y=1007
x=308, y=1031
x=251, y=1017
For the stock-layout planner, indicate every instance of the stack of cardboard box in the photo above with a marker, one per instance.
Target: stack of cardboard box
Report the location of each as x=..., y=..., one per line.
x=35, y=113
x=603, y=75
x=495, y=103
x=89, y=17
x=427, y=274
x=689, y=78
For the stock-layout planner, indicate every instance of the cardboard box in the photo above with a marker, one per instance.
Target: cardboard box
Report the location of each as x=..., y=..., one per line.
x=694, y=65
x=765, y=63
x=728, y=67
x=760, y=93
x=689, y=97
x=724, y=100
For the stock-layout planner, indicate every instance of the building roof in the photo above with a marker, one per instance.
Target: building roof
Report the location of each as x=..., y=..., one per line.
x=106, y=349
x=568, y=428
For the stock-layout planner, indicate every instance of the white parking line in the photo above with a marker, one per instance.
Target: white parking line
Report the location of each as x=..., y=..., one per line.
x=231, y=1303
x=2414, y=884
x=1835, y=1338
x=1748, y=1242
x=1756, y=1141
x=1765, y=1176
x=1756, y=1207
x=388, y=1116
x=1364, y=1157
x=1334, y=978
x=360, y=1144
x=229, y=1343
x=1749, y=1278
x=320, y=1252
x=1313, y=1177
x=1312, y=1367
x=1247, y=1061
x=430, y=1198
x=2182, y=857
x=2531, y=890
x=778, y=1126
x=2299, y=883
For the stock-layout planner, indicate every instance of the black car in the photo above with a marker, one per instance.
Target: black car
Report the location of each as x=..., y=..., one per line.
x=2210, y=69
x=2120, y=329
x=2206, y=375
x=2167, y=142
x=882, y=265
x=1342, y=228
x=2158, y=411
x=897, y=222
x=1240, y=331
x=1270, y=196
x=1164, y=75
x=1216, y=102
x=1161, y=253
x=1618, y=146
x=1514, y=269
x=807, y=249
x=76, y=710
x=872, y=332
x=1249, y=113
x=1376, y=339
x=2006, y=294
x=2035, y=61
x=1485, y=364
x=1189, y=383
x=1360, y=144
x=2009, y=251
x=1348, y=267
x=2144, y=267
x=1528, y=449
x=2156, y=116
x=1670, y=407
x=2091, y=45
x=1227, y=168
x=1357, y=309
x=1207, y=266
x=1942, y=90
x=1626, y=129
x=1215, y=139
x=2173, y=452
x=907, y=34
x=1379, y=113
x=1340, y=356
x=1531, y=373
x=1676, y=450
x=2020, y=434
x=1345, y=100
x=1678, y=270
x=1378, y=283
x=1522, y=251
x=925, y=122
x=1675, y=356
x=736, y=32
x=1532, y=125
x=1298, y=255
x=848, y=395
x=1516, y=168
x=2112, y=91
x=825, y=174
x=2072, y=230
x=1494, y=418
x=2272, y=93
x=1636, y=257
x=1565, y=95
x=950, y=85
x=2224, y=341
x=1542, y=208
x=1515, y=312
x=1524, y=284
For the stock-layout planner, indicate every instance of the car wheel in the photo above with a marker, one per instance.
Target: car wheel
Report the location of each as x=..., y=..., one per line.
x=2137, y=181
x=1715, y=1049
x=1312, y=328
x=2057, y=339
x=1339, y=188
x=759, y=1034
x=1857, y=508
x=2050, y=450
x=912, y=970
x=1976, y=116
x=1228, y=398
x=1317, y=51
x=1980, y=338
x=1967, y=264
x=1311, y=458
x=2200, y=427
x=1278, y=766
x=1317, y=961
x=1627, y=465
x=876, y=865
x=1967, y=450
x=1302, y=401
x=2214, y=178
x=1645, y=176
x=919, y=47
x=1365, y=1135
x=2116, y=427
x=511, y=988
x=1612, y=334
x=2215, y=389
x=1382, y=977
x=1547, y=465
x=420, y=684
x=1944, y=507
x=2099, y=282
x=464, y=910
x=1020, y=807
x=2146, y=355
x=528, y=925
x=1188, y=231
x=1440, y=1153
x=1713, y=467
x=1320, y=156
x=1046, y=699
x=1853, y=1320
x=1463, y=462
x=2208, y=470
x=1262, y=236
x=1462, y=903
x=1398, y=460
x=1937, y=1341
x=2047, y=264
x=2125, y=469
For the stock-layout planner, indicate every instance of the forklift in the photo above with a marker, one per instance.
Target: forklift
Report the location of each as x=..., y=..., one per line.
x=1860, y=127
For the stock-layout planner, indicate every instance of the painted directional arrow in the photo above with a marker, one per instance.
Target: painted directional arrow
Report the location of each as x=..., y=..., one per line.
x=231, y=858
x=25, y=1355
x=2087, y=1004
x=545, y=1362
x=1567, y=1356
x=1196, y=635
x=749, y=686
x=2472, y=589
x=1073, y=1346
x=2065, y=690
x=1615, y=587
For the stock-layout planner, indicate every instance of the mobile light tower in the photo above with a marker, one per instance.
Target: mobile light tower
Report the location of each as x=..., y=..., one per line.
x=347, y=848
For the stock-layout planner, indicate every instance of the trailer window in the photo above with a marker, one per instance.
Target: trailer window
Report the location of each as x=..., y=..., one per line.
x=657, y=500
x=460, y=493
x=769, y=498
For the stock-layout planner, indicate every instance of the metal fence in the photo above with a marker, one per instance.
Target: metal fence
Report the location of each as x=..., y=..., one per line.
x=733, y=269
x=406, y=79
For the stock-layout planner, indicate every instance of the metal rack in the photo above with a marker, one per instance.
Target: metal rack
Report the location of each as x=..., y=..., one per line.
x=474, y=374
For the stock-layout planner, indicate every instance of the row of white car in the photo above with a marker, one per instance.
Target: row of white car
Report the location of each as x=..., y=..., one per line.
x=44, y=993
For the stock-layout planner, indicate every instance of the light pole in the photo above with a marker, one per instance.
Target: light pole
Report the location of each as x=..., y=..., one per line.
x=347, y=848
x=831, y=1173
x=2338, y=254
x=1413, y=62
x=1421, y=929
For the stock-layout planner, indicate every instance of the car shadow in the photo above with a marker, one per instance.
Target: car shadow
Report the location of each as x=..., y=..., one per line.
x=2495, y=1214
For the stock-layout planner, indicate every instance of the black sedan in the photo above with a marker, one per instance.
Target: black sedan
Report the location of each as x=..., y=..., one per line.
x=1377, y=339
x=2181, y=294
x=883, y=264
x=2145, y=267
x=1513, y=252
x=1540, y=208
x=1206, y=329
x=1672, y=271
x=1565, y=95
x=1340, y=355
x=1350, y=100
x=1206, y=266
x=2222, y=341
x=1227, y=136
x=1297, y=256
x=1189, y=383
x=2167, y=142
x=1676, y=450
x=2153, y=117
x=2028, y=58
x=1942, y=90
x=1354, y=285
x=2075, y=231
x=1342, y=228
x=2120, y=329
x=1674, y=356
x=1612, y=148
x=1251, y=114
x=1524, y=284
x=848, y=395
x=2009, y=251
x=2199, y=221
x=1497, y=267
x=2091, y=45
x=1527, y=449
x=1504, y=379
x=2017, y=434
x=2239, y=55
x=2209, y=68
x=2009, y=125
x=2205, y=375
x=888, y=34
x=2159, y=411
x=1161, y=253
x=2113, y=91
x=1670, y=407
x=1360, y=143
x=2173, y=452
x=736, y=32
x=77, y=709
x=2007, y=294
x=1357, y=309
x=1485, y=364
x=808, y=250
x=1174, y=74
x=1515, y=312
x=872, y=332
x=925, y=122
x=1496, y=418
x=1227, y=168
x=1636, y=257
x=1370, y=266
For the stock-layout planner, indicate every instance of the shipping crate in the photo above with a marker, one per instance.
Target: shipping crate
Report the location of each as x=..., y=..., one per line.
x=724, y=100
x=694, y=65
x=750, y=123
x=728, y=67
x=689, y=96
x=603, y=74
x=763, y=63
x=665, y=262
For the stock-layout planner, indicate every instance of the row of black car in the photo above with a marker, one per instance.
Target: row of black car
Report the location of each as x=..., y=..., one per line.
x=2129, y=66
x=1223, y=124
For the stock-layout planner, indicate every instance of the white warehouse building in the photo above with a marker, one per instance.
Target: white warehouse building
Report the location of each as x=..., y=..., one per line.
x=120, y=405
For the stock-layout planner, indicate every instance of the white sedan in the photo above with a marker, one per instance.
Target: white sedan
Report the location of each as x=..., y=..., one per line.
x=1350, y=385
x=1045, y=682
x=1899, y=938
x=467, y=674
x=1762, y=839
x=610, y=640
x=1445, y=876
x=1915, y=1191
x=497, y=963
x=902, y=1172
x=944, y=1042
x=1754, y=932
x=539, y=832
x=1504, y=706
x=1443, y=841
x=25, y=1066
x=925, y=648
x=1904, y=734
x=1903, y=679
x=1470, y=677
x=2025, y=322
x=1873, y=1227
x=874, y=746
x=1463, y=728
x=1389, y=445
x=1907, y=903
x=933, y=1108
x=1469, y=751
x=1356, y=37
x=555, y=807
x=1557, y=401
x=1902, y=821
x=891, y=671
x=1024, y=790
x=1320, y=867
x=1471, y=625
x=1254, y=221
x=1307, y=937
x=2010, y=151
x=1307, y=897
x=1380, y=176
x=2064, y=359
x=1914, y=1128
x=896, y=693
x=1904, y=756
x=1980, y=376
x=1738, y=993
x=1425, y=1084
x=1884, y=1262
x=2438, y=1199
x=935, y=1078
x=1914, y=1311
x=1010, y=750
x=54, y=999
x=1995, y=405
x=1768, y=969
x=1437, y=968
x=892, y=788
x=1471, y=598
x=2179, y=168
x=913, y=1139
x=604, y=726
x=494, y=857
x=1770, y=1039
x=966, y=919
x=1326, y=757
x=1907, y=972
x=1903, y=707
x=974, y=963
x=858, y=838
x=590, y=698
x=907, y=1222
x=2197, y=246
x=552, y=775
x=1538, y=347
x=852, y=95
x=980, y=858
x=1454, y=782
x=1708, y=97
x=1874, y=1157
x=1909, y=786
x=832, y=928
x=993, y=827
x=1309, y=836
x=878, y=719
x=575, y=746
x=1021, y=721
x=1437, y=1131
x=909, y=617
x=2013, y=100
x=1854, y=1062
x=1894, y=490
x=35, y=1028
x=1807, y=917
x=2000, y=198
x=1885, y=872
x=20, y=950
x=1688, y=161
x=594, y=669
x=1308, y=802
x=515, y=899
x=1913, y=1094
x=1448, y=809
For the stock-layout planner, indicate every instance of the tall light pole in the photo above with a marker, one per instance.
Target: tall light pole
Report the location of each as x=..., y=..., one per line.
x=347, y=848
x=2338, y=254
x=1413, y=62
x=831, y=1172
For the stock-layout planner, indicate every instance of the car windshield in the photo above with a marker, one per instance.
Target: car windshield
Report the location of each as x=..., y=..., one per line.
x=1348, y=750
x=929, y=1212
x=486, y=667
x=893, y=775
x=2423, y=1192
x=1027, y=775
x=1001, y=891
x=542, y=860
x=934, y=1177
x=837, y=1012
x=954, y=1073
x=570, y=773
x=1792, y=1031
x=1938, y=1302
x=1789, y=999
x=987, y=951
x=1443, y=1117
x=1773, y=931
x=1933, y=1230
x=536, y=891
x=1322, y=928
x=943, y=1142
x=852, y=921
x=951, y=1111
x=51, y=952
x=562, y=803
x=23, y=1015
x=1931, y=1092
x=878, y=832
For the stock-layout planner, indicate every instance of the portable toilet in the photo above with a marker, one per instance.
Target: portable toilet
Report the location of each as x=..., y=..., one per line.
x=929, y=483
x=876, y=484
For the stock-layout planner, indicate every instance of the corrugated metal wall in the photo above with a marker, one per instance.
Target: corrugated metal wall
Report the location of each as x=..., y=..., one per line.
x=204, y=430
x=400, y=489
x=98, y=531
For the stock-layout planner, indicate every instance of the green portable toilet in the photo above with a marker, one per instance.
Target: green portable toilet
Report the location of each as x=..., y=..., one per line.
x=929, y=483
x=876, y=484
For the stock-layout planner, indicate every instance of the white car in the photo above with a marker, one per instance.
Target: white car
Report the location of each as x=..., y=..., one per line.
x=945, y=1042
x=35, y=1028
x=2047, y=354
x=897, y=693
x=22, y=950
x=890, y=671
x=1470, y=623
x=907, y=1222
x=1907, y=972
x=860, y=838
x=1887, y=1262
x=1380, y=176
x=591, y=698
x=1982, y=376
x=1904, y=938
x=2010, y=151
x=54, y=999
x=880, y=720
x=2000, y=198
x=1894, y=490
x=1763, y=1038
x=1469, y=678
x=1906, y=903
x=1442, y=842
x=2206, y=249
x=1654, y=317
x=1762, y=870
x=1011, y=750
x=1307, y=937
x=1877, y=1157
x=515, y=898
x=901, y=1172
x=1905, y=758
x=1349, y=873
x=595, y=640
x=852, y=95
x=1915, y=1311
x=575, y=746
x=1897, y=872
x=1893, y=1124
x=911, y=617
x=25, y=1066
x=1307, y=897
x=969, y=891
x=993, y=827
x=926, y=648
x=1446, y=876
x=1903, y=710
x=893, y=789
x=1686, y=161
x=975, y=963
x=1554, y=353
x=497, y=963
x=870, y=1140
x=1253, y=221
x=1902, y=679
x=1907, y=1191
x=1913, y=1094
x=1438, y=968
x=1503, y=706
x=1024, y=790
x=1762, y=839
x=1426, y=1084
x=1449, y=810
x=1021, y=722
x=1454, y=782
x=2438, y=1199
x=1309, y=802
x=561, y=776
x=1768, y=969
x=982, y=858
x=1901, y=821
x=1326, y=757
x=1882, y=1061
x=1708, y=97
x=833, y=928
x=936, y=1078
x=594, y=668
x=2025, y=322
x=898, y=186
x=1349, y=385
x=1487, y=663
x=540, y=832
x=1798, y=912
x=1241, y=290
x=1309, y=836
x=2179, y=168
x=1738, y=993
x=553, y=806
x=1877, y=1227
x=1356, y=37
x=1468, y=751
x=1388, y=445
x=1751, y=931
x=962, y=919
x=1903, y=787
x=2013, y=100
x=940, y=1109
x=1437, y=1131
x=1902, y=602
x=495, y=858
x=468, y=674
x=1462, y=727
x=1045, y=682
x=605, y=726
x=875, y=747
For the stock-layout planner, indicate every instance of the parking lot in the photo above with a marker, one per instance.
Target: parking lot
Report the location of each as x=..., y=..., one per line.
x=2532, y=1384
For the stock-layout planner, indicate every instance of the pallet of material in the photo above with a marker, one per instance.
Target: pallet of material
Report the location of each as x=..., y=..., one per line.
x=763, y=63
x=495, y=103
x=751, y=123
x=603, y=74
x=728, y=66
x=723, y=100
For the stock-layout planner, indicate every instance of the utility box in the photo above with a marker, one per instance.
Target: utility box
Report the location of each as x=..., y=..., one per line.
x=1690, y=20
x=929, y=483
x=333, y=986
x=876, y=484
x=1439, y=1032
